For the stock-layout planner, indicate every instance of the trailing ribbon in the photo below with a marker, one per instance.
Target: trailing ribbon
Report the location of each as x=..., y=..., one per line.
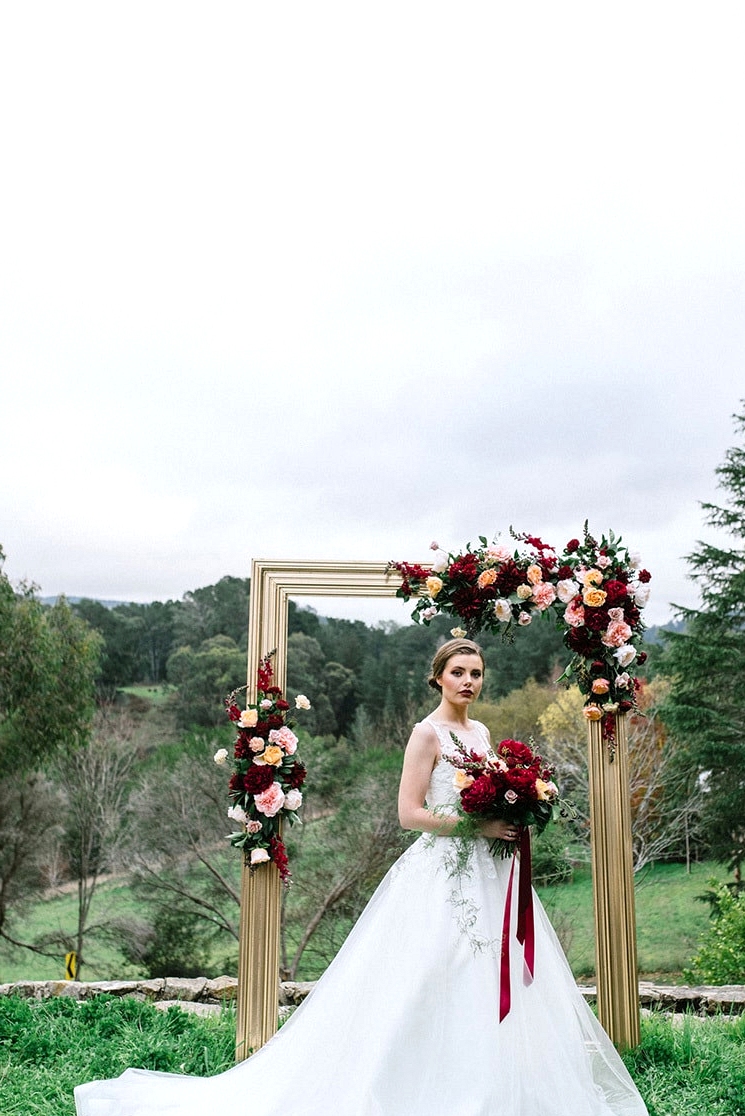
x=525, y=931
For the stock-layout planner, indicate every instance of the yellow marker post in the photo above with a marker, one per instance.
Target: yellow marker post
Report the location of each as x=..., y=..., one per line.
x=71, y=966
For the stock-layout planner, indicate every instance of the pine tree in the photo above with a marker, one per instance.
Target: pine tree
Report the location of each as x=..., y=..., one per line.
x=706, y=661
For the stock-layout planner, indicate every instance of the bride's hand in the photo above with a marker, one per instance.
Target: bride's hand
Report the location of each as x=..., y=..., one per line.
x=499, y=828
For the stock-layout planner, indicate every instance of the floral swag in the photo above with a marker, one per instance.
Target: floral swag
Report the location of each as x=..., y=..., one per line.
x=594, y=589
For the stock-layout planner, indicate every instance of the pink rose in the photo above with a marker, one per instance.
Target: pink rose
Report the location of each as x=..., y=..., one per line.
x=574, y=615
x=615, y=613
x=259, y=856
x=270, y=801
x=499, y=553
x=616, y=634
x=524, y=619
x=511, y=797
x=257, y=744
x=286, y=739
x=253, y=826
x=543, y=595
x=293, y=799
x=603, y=561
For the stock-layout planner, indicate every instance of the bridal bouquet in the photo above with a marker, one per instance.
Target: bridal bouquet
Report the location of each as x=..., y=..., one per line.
x=513, y=784
x=267, y=773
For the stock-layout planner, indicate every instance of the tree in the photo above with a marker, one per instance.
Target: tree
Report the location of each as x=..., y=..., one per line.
x=48, y=660
x=706, y=662
x=204, y=678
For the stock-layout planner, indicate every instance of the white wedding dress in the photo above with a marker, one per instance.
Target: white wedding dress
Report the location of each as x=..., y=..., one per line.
x=405, y=1021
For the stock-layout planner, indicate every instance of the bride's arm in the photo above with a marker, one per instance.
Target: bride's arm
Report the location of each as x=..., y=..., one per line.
x=422, y=753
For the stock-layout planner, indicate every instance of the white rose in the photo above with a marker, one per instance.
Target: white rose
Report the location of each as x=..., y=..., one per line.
x=428, y=613
x=440, y=563
x=641, y=594
x=625, y=654
x=293, y=800
x=566, y=590
x=623, y=681
x=237, y=813
x=524, y=591
x=503, y=610
x=220, y=756
x=259, y=856
x=635, y=559
x=301, y=702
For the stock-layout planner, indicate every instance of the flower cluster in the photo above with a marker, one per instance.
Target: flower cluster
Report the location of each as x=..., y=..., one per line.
x=595, y=589
x=267, y=773
x=513, y=784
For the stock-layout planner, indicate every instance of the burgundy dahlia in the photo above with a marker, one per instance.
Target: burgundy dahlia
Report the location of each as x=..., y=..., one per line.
x=258, y=778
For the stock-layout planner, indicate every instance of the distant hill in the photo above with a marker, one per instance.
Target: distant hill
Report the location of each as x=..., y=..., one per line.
x=77, y=600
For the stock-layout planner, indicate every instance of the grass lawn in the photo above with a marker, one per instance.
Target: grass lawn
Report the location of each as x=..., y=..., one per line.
x=48, y=1047
x=670, y=919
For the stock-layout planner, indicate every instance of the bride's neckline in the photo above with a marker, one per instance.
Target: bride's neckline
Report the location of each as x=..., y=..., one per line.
x=472, y=727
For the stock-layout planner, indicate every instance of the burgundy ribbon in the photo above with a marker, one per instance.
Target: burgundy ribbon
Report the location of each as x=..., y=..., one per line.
x=525, y=932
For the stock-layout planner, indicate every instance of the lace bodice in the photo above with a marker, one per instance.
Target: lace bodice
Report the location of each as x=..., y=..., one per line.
x=441, y=791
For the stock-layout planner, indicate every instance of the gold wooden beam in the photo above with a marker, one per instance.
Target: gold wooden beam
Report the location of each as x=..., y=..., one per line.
x=613, y=886
x=272, y=585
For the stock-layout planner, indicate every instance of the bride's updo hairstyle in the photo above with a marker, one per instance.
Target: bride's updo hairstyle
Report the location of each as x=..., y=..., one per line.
x=446, y=652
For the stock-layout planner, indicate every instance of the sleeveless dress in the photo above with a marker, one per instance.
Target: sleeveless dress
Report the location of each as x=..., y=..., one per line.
x=405, y=1020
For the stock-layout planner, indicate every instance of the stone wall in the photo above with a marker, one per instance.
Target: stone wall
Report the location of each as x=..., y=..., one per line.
x=201, y=994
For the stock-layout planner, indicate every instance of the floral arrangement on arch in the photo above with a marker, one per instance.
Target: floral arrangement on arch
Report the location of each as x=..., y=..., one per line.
x=595, y=589
x=267, y=772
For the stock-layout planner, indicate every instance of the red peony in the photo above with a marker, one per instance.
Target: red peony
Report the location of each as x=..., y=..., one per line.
x=480, y=796
x=258, y=778
x=572, y=545
x=564, y=573
x=466, y=566
x=615, y=591
x=295, y=777
x=644, y=576
x=283, y=705
x=509, y=576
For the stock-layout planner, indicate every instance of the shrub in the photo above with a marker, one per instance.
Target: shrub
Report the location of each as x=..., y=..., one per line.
x=721, y=955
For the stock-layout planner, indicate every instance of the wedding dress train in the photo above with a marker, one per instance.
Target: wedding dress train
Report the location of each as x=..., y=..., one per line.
x=405, y=1021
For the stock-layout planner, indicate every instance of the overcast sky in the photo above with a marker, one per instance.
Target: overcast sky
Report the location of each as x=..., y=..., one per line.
x=330, y=280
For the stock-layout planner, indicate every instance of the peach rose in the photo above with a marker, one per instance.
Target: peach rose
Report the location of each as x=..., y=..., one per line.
x=488, y=577
x=257, y=744
x=593, y=712
x=591, y=577
x=271, y=755
x=499, y=553
x=545, y=791
x=534, y=574
x=433, y=586
x=600, y=686
x=248, y=718
x=594, y=598
x=462, y=779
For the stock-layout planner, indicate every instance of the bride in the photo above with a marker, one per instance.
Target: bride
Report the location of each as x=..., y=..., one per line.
x=405, y=1021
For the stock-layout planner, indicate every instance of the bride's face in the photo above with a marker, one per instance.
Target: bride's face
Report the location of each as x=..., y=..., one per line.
x=462, y=679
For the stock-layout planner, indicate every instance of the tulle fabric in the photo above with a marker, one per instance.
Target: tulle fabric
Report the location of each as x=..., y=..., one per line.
x=405, y=1020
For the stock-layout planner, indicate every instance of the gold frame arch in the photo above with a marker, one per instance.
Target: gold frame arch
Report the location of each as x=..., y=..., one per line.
x=272, y=586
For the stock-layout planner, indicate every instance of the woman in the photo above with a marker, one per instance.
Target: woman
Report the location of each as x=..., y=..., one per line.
x=405, y=1021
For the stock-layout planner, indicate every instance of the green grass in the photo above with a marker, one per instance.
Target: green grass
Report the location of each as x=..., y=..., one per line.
x=669, y=918
x=48, y=1047
x=155, y=695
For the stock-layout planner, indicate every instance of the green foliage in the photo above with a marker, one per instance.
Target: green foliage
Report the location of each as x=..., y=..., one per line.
x=721, y=955
x=48, y=659
x=204, y=678
x=707, y=665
